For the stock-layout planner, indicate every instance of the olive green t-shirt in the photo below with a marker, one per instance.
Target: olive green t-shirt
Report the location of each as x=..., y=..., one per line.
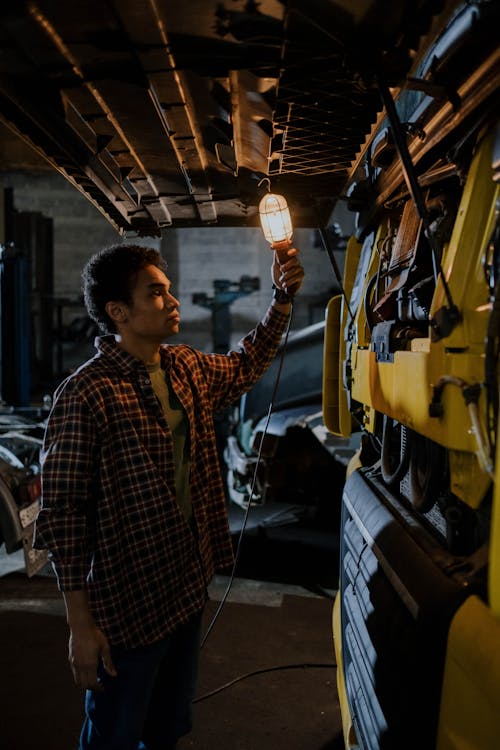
x=179, y=427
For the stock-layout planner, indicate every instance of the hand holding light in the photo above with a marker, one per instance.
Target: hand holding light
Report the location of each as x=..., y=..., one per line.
x=276, y=223
x=277, y=227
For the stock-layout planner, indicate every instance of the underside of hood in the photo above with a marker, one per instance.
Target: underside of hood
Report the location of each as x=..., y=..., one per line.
x=171, y=114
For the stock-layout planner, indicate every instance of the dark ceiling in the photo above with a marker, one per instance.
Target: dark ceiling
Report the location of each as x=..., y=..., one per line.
x=170, y=113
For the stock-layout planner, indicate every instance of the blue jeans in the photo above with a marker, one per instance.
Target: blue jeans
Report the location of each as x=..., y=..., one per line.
x=147, y=706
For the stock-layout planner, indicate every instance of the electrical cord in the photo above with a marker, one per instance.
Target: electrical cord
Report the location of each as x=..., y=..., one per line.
x=276, y=668
x=252, y=488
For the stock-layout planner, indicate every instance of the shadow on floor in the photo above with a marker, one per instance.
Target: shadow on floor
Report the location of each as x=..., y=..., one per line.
x=296, y=709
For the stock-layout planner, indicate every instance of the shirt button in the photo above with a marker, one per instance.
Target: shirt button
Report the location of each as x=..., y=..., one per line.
x=146, y=381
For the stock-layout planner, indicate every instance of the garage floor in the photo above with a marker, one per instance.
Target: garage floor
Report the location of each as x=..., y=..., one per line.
x=263, y=625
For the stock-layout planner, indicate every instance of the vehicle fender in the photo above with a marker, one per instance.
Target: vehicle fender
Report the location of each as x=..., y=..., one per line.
x=350, y=740
x=470, y=702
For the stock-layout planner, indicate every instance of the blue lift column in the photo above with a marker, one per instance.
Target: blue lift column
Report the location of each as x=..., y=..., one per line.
x=15, y=316
x=225, y=293
x=15, y=313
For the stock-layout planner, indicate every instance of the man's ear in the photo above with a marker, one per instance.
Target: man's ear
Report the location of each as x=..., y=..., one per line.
x=116, y=311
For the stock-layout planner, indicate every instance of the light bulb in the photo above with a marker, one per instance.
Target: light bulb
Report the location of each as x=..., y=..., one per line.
x=275, y=218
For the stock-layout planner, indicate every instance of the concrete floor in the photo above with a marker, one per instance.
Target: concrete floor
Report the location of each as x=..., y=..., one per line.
x=263, y=625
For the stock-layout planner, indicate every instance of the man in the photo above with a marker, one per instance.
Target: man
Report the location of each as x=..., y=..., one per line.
x=133, y=510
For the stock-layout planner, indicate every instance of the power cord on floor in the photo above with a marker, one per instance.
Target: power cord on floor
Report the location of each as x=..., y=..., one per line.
x=262, y=671
x=252, y=489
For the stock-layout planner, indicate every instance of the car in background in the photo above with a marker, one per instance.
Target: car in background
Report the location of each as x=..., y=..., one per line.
x=300, y=461
x=21, y=435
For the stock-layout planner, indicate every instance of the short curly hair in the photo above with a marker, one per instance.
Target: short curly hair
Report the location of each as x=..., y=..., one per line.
x=110, y=275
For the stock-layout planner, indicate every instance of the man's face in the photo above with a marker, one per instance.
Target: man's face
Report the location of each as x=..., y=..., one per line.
x=154, y=312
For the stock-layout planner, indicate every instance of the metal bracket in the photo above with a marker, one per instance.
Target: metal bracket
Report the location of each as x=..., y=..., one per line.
x=444, y=321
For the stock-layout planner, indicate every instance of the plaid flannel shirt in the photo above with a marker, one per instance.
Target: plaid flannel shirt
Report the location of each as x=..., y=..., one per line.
x=109, y=515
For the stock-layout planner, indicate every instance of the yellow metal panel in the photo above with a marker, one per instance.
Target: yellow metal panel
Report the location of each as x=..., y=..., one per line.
x=468, y=481
x=470, y=704
x=494, y=550
x=420, y=345
x=347, y=727
x=354, y=464
x=336, y=413
x=2, y=216
x=463, y=258
x=386, y=387
x=352, y=253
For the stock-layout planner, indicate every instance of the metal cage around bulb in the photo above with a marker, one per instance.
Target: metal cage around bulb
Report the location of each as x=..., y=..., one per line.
x=275, y=218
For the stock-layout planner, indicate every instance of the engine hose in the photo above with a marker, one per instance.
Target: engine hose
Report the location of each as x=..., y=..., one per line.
x=485, y=439
x=426, y=465
x=391, y=474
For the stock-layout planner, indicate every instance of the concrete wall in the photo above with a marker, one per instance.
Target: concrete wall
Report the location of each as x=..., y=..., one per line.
x=196, y=258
